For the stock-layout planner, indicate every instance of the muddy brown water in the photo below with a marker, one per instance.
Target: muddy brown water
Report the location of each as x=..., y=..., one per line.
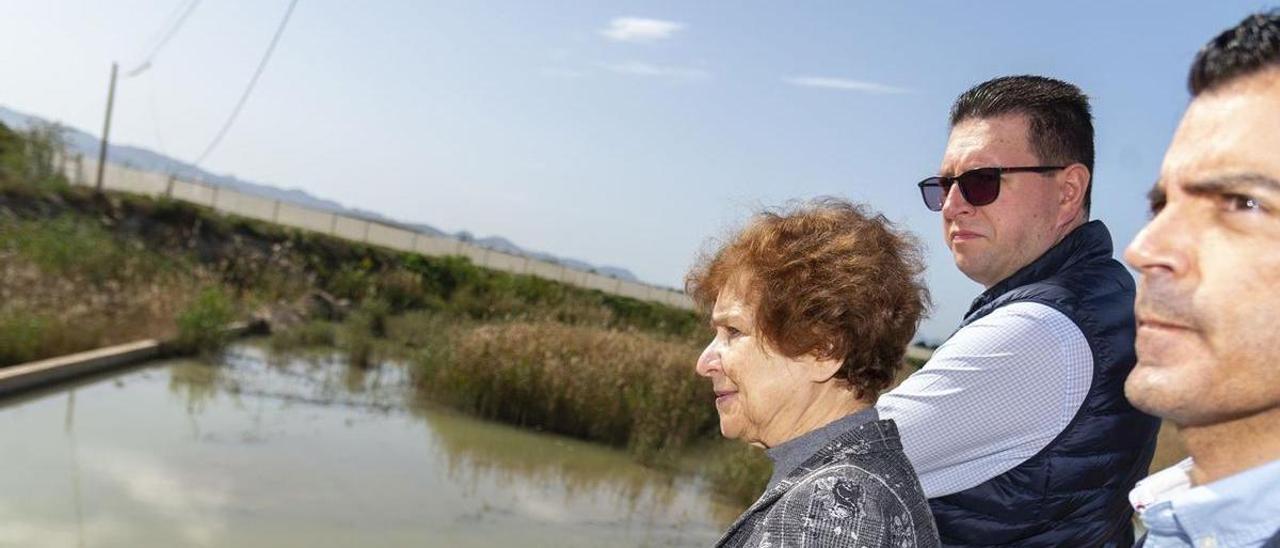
x=257, y=450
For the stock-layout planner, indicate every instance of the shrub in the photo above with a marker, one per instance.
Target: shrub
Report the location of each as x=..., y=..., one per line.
x=444, y=276
x=649, y=316
x=202, y=325
x=31, y=157
x=403, y=289
x=43, y=150
x=350, y=282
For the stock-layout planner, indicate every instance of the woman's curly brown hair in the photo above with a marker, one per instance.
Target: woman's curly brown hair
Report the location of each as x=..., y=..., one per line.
x=830, y=279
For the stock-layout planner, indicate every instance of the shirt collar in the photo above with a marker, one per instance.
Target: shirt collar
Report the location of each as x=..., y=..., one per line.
x=789, y=455
x=1240, y=510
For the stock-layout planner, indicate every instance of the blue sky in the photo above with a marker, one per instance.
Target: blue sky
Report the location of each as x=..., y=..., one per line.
x=618, y=133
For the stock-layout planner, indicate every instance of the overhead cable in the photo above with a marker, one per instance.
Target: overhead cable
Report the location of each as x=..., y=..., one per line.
x=249, y=89
x=164, y=38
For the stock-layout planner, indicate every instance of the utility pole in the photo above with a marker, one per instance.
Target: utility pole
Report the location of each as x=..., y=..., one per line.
x=106, y=129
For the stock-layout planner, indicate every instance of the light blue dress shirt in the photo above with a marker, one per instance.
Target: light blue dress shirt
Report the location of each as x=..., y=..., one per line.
x=1239, y=511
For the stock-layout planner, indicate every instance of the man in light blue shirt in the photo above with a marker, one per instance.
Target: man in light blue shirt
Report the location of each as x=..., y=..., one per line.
x=1239, y=510
x=1208, y=304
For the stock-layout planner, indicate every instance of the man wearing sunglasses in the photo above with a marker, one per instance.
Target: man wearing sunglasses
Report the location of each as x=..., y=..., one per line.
x=1209, y=301
x=1018, y=426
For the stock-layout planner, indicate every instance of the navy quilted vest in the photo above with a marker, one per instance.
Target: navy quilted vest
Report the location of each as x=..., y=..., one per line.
x=1075, y=491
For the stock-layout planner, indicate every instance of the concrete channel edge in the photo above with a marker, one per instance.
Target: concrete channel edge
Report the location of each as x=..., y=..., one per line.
x=27, y=376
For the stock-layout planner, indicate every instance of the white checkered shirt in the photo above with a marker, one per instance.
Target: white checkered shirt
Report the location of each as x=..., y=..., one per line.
x=991, y=397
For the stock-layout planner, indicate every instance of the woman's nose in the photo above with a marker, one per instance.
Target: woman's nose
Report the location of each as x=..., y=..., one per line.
x=709, y=361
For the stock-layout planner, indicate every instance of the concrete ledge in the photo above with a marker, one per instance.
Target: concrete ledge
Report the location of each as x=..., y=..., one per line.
x=22, y=377
x=30, y=375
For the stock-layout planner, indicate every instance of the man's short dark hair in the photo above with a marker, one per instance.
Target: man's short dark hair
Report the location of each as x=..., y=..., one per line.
x=1249, y=47
x=1061, y=125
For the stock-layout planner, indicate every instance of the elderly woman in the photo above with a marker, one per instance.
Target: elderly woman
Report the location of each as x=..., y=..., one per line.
x=812, y=310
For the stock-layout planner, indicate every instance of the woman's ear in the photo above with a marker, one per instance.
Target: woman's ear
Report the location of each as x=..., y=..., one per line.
x=820, y=370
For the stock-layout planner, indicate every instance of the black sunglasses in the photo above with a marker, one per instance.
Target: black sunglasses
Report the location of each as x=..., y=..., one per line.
x=978, y=186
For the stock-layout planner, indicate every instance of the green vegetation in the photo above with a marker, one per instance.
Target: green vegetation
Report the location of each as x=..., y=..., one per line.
x=312, y=334
x=31, y=156
x=75, y=248
x=740, y=471
x=362, y=330
x=202, y=326
x=68, y=285
x=453, y=287
x=21, y=337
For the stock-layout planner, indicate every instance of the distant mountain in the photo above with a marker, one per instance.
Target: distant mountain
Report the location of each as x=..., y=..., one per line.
x=499, y=243
x=140, y=158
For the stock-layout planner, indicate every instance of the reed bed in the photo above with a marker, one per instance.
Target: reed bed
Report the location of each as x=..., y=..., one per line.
x=627, y=389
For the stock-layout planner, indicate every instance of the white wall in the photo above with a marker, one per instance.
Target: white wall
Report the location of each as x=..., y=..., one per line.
x=299, y=217
x=83, y=171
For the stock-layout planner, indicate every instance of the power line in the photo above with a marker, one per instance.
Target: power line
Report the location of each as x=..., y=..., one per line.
x=169, y=21
x=155, y=123
x=165, y=37
x=173, y=24
x=252, y=82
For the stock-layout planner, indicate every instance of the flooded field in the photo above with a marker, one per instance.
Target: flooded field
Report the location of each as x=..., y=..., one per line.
x=262, y=451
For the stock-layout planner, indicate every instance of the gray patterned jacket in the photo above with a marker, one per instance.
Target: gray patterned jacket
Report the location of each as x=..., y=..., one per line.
x=858, y=491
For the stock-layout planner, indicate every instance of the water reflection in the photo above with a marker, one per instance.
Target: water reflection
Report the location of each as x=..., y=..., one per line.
x=263, y=450
x=69, y=429
x=566, y=481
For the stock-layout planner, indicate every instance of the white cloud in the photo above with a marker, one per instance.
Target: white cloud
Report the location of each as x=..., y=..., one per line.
x=560, y=72
x=639, y=29
x=29, y=525
x=845, y=84
x=191, y=503
x=636, y=68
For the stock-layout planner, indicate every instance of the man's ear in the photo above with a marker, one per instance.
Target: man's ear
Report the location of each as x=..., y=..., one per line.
x=1072, y=186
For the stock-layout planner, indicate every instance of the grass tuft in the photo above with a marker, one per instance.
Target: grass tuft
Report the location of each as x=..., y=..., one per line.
x=22, y=338
x=313, y=334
